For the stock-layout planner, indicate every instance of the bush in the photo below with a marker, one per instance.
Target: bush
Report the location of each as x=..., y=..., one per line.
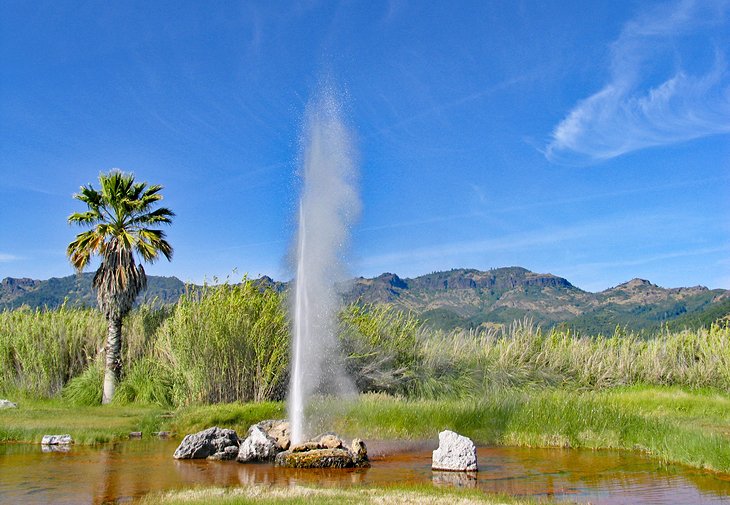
x=86, y=389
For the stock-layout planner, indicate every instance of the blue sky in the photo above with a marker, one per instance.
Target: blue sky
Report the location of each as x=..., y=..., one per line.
x=586, y=139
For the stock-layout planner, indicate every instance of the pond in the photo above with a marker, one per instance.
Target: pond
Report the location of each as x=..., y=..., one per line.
x=124, y=471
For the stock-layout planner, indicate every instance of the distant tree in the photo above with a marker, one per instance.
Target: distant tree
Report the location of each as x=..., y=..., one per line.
x=121, y=218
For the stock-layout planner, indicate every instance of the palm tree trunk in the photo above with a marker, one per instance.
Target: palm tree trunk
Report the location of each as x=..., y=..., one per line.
x=113, y=370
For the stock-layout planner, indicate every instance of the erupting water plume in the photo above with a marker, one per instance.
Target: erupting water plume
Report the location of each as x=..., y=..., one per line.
x=328, y=206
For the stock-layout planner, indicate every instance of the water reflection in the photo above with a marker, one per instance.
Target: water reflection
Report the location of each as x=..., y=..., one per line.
x=121, y=472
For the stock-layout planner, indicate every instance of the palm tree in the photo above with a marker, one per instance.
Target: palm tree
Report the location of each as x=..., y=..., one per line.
x=120, y=215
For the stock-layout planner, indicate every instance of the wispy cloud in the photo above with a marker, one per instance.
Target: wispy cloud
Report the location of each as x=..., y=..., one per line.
x=6, y=258
x=455, y=252
x=631, y=112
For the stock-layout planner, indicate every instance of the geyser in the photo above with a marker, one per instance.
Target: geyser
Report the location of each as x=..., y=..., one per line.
x=328, y=206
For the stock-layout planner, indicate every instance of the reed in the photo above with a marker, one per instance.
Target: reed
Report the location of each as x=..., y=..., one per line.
x=524, y=355
x=226, y=343
x=40, y=350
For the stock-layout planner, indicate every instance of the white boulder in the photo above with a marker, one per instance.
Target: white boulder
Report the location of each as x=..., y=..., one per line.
x=455, y=453
x=7, y=404
x=57, y=440
x=258, y=446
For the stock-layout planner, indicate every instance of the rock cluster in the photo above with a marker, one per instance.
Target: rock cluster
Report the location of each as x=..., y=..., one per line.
x=271, y=441
x=213, y=443
x=455, y=453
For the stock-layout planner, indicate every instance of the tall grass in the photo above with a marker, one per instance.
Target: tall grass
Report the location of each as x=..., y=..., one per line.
x=40, y=350
x=231, y=343
x=523, y=355
x=226, y=343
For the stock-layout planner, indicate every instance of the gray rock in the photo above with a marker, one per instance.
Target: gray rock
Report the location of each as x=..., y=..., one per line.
x=210, y=442
x=229, y=453
x=57, y=440
x=455, y=453
x=258, y=446
x=7, y=404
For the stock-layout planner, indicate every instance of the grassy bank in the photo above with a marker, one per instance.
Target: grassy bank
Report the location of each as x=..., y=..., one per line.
x=86, y=425
x=668, y=423
x=250, y=495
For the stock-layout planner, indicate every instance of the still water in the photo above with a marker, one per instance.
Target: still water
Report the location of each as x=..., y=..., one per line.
x=121, y=472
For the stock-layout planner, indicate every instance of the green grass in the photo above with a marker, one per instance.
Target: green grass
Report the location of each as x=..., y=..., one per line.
x=668, y=423
x=86, y=425
x=250, y=495
x=236, y=416
x=620, y=419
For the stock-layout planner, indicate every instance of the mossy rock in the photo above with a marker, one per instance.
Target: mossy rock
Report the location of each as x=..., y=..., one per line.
x=316, y=458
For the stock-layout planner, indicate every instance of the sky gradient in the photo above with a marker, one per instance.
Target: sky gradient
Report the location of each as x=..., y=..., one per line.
x=590, y=140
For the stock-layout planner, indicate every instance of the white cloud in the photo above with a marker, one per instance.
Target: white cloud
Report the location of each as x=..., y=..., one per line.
x=5, y=258
x=631, y=113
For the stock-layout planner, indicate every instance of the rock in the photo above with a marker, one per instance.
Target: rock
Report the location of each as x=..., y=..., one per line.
x=317, y=454
x=206, y=443
x=135, y=434
x=359, y=452
x=455, y=453
x=278, y=429
x=7, y=404
x=57, y=440
x=316, y=458
x=305, y=446
x=228, y=454
x=330, y=441
x=258, y=446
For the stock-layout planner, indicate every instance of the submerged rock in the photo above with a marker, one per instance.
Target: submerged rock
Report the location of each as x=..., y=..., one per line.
x=7, y=404
x=57, y=440
x=455, y=453
x=213, y=442
x=258, y=446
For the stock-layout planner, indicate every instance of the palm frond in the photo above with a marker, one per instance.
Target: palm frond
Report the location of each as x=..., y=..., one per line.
x=120, y=213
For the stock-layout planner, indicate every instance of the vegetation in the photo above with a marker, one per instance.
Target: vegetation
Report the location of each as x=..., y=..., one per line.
x=667, y=395
x=671, y=424
x=87, y=425
x=120, y=216
x=230, y=343
x=226, y=343
x=269, y=495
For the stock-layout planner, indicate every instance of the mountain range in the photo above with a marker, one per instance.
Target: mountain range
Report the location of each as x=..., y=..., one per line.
x=464, y=298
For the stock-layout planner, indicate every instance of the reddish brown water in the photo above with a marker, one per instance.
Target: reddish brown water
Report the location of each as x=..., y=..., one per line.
x=122, y=472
